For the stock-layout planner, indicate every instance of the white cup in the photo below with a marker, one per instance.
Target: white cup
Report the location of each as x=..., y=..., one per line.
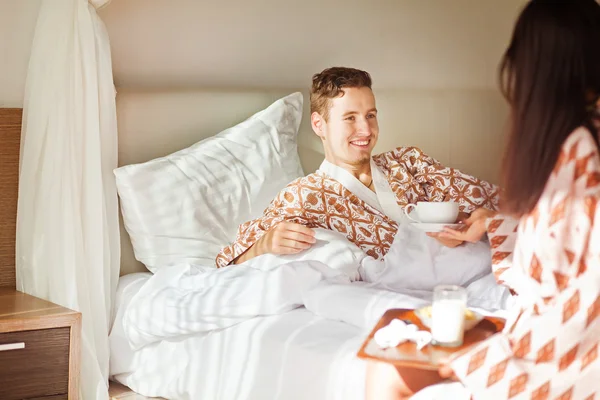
x=445, y=212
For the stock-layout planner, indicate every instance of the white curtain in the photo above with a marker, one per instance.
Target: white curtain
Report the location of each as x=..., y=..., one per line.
x=67, y=221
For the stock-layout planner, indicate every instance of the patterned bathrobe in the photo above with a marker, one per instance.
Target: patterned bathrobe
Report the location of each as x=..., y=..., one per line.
x=551, y=258
x=320, y=201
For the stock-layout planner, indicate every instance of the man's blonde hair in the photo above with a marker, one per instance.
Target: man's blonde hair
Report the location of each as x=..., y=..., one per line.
x=329, y=83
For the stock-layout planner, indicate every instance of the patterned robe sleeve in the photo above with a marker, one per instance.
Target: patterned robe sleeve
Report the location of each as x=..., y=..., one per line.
x=443, y=183
x=280, y=209
x=502, y=235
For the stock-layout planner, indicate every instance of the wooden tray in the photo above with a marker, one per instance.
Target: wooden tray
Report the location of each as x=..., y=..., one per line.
x=430, y=356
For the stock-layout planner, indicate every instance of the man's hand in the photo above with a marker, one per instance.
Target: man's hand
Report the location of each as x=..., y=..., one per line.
x=283, y=238
x=286, y=238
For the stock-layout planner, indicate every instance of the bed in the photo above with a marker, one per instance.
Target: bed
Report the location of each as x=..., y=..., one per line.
x=296, y=355
x=303, y=353
x=297, y=351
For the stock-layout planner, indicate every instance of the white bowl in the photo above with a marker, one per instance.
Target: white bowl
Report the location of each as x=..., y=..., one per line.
x=472, y=318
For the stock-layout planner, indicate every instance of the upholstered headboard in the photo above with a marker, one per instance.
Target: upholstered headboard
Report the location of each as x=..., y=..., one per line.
x=10, y=136
x=461, y=128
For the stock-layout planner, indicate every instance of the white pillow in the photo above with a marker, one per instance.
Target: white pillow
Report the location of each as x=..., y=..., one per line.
x=186, y=206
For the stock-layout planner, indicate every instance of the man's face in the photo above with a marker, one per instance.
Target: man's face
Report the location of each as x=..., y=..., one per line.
x=351, y=131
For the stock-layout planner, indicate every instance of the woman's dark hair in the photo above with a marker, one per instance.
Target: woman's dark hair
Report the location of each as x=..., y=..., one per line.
x=547, y=74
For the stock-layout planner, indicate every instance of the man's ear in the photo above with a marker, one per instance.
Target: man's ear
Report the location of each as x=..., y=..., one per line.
x=317, y=122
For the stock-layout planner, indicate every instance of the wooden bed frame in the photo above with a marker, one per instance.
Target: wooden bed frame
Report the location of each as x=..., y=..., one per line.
x=10, y=138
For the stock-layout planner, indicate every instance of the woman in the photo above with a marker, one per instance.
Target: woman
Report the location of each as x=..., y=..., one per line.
x=546, y=243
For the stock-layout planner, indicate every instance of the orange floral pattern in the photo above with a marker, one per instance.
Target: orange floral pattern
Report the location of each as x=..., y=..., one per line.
x=551, y=350
x=319, y=201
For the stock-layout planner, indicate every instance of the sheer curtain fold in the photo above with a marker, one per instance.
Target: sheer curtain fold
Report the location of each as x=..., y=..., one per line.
x=67, y=221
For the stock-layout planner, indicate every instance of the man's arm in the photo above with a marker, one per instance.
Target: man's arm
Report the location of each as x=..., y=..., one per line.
x=280, y=230
x=247, y=255
x=442, y=183
x=284, y=238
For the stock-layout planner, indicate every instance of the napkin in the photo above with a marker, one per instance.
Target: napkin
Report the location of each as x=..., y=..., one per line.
x=398, y=331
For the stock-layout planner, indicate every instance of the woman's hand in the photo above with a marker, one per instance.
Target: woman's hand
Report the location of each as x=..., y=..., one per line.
x=452, y=243
x=475, y=227
x=446, y=371
x=449, y=242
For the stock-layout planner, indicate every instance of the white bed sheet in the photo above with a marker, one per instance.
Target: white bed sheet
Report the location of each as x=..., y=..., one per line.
x=296, y=355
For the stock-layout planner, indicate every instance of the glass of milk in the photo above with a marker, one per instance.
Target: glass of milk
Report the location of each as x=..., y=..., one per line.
x=448, y=315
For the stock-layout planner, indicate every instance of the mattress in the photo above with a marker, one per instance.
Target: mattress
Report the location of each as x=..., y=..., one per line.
x=296, y=355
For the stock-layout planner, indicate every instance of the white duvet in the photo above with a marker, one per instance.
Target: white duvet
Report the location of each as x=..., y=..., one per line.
x=186, y=299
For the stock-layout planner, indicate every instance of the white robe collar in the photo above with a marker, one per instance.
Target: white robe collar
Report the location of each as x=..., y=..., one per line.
x=384, y=200
x=386, y=196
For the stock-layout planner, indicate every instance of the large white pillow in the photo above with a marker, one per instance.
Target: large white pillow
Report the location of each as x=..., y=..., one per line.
x=186, y=206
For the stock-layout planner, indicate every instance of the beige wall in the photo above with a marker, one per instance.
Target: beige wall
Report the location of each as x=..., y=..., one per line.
x=281, y=43
x=17, y=23
x=434, y=44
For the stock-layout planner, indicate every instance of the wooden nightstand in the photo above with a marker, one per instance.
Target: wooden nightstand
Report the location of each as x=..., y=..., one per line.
x=116, y=391
x=39, y=348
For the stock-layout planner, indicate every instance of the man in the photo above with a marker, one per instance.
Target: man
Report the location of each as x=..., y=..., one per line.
x=353, y=193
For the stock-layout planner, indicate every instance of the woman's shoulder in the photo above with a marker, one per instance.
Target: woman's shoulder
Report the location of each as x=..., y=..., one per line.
x=580, y=145
x=579, y=160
